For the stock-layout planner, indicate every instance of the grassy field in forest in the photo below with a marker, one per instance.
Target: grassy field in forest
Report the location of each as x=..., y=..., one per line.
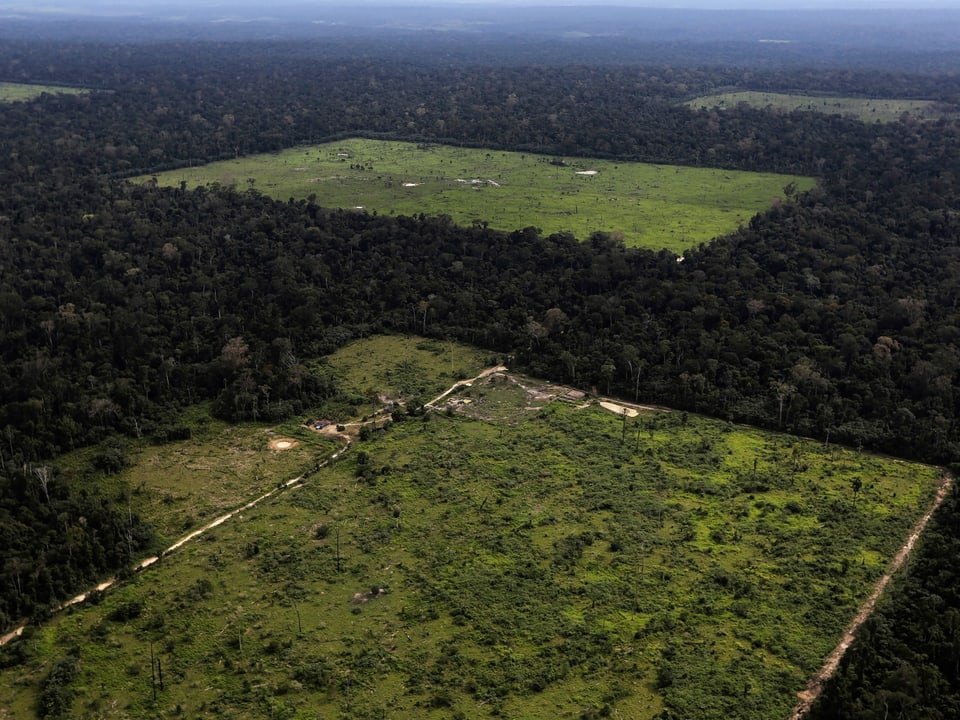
x=509, y=556
x=867, y=109
x=414, y=368
x=18, y=92
x=180, y=485
x=653, y=206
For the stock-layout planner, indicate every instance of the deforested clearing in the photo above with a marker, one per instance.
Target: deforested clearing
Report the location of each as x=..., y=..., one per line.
x=508, y=552
x=646, y=205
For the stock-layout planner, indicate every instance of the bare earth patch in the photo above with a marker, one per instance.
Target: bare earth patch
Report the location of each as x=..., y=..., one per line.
x=283, y=444
x=618, y=409
x=488, y=397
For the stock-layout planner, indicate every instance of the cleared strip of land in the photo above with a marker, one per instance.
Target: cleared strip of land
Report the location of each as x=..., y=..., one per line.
x=654, y=206
x=867, y=109
x=19, y=92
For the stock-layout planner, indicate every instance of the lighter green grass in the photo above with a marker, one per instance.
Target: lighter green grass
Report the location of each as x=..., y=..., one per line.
x=866, y=109
x=654, y=206
x=181, y=485
x=19, y=92
x=410, y=368
x=540, y=568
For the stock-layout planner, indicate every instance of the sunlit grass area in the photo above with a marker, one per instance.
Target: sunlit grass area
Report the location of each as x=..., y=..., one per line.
x=654, y=206
x=867, y=109
x=18, y=92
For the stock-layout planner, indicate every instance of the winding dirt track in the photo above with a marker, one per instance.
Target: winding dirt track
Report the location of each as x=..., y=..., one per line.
x=809, y=695
x=432, y=405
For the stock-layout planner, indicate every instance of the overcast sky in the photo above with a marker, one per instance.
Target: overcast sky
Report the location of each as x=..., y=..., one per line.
x=259, y=9
x=227, y=5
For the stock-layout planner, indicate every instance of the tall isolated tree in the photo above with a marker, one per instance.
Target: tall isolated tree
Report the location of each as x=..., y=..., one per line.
x=783, y=390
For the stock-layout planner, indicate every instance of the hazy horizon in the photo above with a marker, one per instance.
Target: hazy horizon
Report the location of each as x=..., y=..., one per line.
x=791, y=30
x=153, y=6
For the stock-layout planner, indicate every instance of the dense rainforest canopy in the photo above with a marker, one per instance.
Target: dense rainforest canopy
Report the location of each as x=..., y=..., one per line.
x=835, y=314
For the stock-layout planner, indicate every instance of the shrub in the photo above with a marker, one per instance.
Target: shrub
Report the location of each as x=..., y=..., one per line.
x=56, y=696
x=126, y=611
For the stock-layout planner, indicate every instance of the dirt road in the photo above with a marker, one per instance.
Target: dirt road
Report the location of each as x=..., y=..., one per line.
x=809, y=695
x=147, y=562
x=464, y=383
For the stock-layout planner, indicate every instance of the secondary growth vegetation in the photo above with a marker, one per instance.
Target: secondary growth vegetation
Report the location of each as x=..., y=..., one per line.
x=569, y=561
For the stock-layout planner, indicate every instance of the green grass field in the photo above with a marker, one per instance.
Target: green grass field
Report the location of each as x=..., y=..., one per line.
x=867, y=109
x=181, y=485
x=18, y=92
x=654, y=206
x=565, y=564
x=410, y=367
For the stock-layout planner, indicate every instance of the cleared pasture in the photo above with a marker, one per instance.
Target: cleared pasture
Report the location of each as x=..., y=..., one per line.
x=866, y=109
x=653, y=206
x=404, y=366
x=569, y=563
x=180, y=485
x=20, y=92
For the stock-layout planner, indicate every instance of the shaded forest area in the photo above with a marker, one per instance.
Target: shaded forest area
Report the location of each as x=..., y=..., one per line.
x=833, y=315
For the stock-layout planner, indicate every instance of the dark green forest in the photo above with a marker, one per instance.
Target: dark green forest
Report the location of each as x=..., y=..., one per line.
x=833, y=315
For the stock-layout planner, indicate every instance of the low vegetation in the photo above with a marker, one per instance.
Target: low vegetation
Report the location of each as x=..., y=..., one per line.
x=388, y=367
x=211, y=466
x=866, y=109
x=653, y=206
x=552, y=560
x=179, y=485
x=18, y=92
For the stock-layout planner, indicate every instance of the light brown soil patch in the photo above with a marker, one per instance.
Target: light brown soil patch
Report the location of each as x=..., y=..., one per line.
x=618, y=409
x=283, y=444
